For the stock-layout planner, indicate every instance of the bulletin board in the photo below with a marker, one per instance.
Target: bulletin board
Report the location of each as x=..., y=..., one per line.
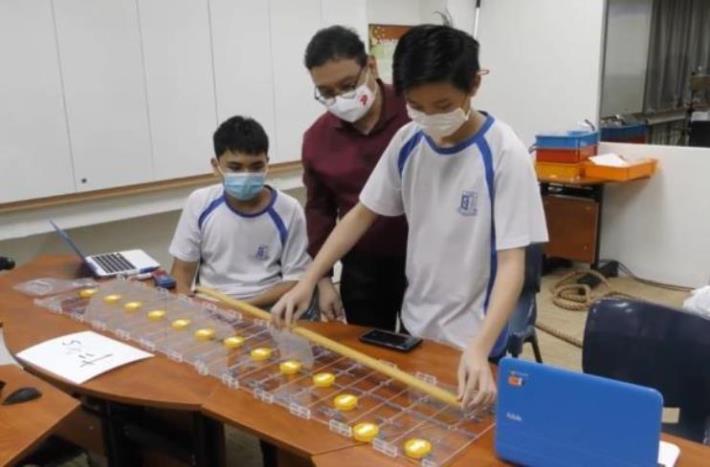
x=383, y=40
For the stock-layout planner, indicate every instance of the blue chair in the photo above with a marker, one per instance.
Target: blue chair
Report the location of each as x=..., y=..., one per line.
x=655, y=346
x=522, y=322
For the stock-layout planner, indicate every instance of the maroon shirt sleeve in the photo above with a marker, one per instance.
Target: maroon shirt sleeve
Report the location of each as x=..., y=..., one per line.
x=321, y=207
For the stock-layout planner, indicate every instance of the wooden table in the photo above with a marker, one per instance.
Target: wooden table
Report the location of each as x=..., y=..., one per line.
x=313, y=439
x=155, y=382
x=179, y=386
x=23, y=426
x=159, y=382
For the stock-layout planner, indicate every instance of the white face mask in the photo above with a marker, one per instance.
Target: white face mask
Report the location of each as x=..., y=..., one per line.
x=352, y=109
x=439, y=126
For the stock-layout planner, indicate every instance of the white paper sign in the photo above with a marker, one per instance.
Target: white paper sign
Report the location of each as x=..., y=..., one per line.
x=609, y=160
x=81, y=356
x=668, y=454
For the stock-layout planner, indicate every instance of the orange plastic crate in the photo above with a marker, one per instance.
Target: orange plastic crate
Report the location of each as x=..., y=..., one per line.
x=637, y=169
x=567, y=156
x=559, y=171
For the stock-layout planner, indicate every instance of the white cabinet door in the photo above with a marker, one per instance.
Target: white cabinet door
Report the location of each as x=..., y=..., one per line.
x=179, y=83
x=34, y=145
x=104, y=83
x=293, y=23
x=545, y=63
x=242, y=62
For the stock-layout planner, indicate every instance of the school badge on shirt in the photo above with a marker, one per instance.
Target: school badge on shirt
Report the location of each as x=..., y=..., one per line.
x=468, y=206
x=262, y=252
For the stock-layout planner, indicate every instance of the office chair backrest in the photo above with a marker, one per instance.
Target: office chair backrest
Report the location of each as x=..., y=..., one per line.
x=651, y=345
x=533, y=267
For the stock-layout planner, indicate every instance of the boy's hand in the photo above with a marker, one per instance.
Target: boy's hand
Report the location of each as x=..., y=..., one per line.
x=329, y=301
x=292, y=305
x=477, y=387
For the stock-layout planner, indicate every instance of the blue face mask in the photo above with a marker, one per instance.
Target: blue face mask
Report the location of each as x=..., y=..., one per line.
x=244, y=185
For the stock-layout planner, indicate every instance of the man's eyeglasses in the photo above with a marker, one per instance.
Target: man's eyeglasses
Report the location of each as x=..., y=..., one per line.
x=347, y=92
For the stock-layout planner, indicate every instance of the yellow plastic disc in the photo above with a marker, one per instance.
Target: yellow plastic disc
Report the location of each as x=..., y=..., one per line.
x=87, y=293
x=113, y=298
x=290, y=367
x=345, y=402
x=365, y=432
x=180, y=324
x=204, y=334
x=156, y=315
x=323, y=380
x=417, y=448
x=132, y=306
x=233, y=342
x=260, y=354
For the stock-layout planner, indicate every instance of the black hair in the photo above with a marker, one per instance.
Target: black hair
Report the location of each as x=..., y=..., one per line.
x=334, y=43
x=240, y=134
x=430, y=53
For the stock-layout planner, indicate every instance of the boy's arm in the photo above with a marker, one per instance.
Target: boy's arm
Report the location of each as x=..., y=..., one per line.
x=271, y=295
x=184, y=273
x=345, y=235
x=476, y=383
x=186, y=244
x=381, y=195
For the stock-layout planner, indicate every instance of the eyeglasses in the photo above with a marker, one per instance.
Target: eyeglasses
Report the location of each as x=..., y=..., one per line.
x=348, y=92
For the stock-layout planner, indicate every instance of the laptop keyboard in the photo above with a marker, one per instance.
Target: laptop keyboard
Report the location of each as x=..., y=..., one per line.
x=113, y=262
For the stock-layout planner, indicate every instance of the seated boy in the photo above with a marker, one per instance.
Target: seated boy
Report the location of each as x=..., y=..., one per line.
x=241, y=237
x=468, y=189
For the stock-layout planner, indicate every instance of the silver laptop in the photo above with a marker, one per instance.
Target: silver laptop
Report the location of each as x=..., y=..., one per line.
x=112, y=264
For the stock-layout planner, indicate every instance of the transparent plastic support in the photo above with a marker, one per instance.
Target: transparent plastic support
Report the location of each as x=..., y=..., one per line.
x=197, y=333
x=44, y=286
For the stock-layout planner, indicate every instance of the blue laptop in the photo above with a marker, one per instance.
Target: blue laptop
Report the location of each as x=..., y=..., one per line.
x=551, y=417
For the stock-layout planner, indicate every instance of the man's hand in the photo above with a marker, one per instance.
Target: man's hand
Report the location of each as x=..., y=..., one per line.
x=329, y=301
x=292, y=305
x=477, y=387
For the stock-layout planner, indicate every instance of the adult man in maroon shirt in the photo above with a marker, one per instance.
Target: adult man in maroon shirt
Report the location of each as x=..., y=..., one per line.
x=340, y=150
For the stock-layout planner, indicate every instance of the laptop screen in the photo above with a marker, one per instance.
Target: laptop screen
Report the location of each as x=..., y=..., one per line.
x=67, y=240
x=554, y=417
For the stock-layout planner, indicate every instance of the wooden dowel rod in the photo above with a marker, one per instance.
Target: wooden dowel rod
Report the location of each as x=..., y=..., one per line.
x=372, y=363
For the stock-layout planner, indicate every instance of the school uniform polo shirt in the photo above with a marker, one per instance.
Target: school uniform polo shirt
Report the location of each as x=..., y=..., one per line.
x=242, y=254
x=463, y=203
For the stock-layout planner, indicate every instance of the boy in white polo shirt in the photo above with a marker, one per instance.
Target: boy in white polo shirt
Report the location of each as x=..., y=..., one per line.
x=241, y=237
x=467, y=186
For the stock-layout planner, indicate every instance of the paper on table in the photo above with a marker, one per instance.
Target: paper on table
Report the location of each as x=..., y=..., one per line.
x=609, y=160
x=81, y=356
x=668, y=454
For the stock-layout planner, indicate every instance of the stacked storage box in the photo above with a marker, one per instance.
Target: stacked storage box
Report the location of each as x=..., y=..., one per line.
x=624, y=132
x=561, y=156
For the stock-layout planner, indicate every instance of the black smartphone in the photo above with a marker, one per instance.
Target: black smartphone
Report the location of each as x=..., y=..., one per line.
x=391, y=340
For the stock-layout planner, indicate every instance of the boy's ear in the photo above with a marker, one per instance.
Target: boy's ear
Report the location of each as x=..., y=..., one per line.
x=475, y=84
x=215, y=166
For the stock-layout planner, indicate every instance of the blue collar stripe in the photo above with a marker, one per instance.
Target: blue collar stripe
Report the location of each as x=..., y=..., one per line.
x=407, y=150
x=280, y=226
x=208, y=210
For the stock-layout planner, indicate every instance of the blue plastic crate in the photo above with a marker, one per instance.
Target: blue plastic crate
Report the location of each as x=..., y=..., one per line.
x=616, y=132
x=573, y=139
